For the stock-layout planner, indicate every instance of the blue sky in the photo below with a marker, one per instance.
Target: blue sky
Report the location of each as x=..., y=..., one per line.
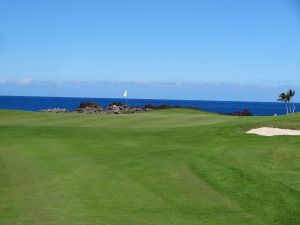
x=187, y=49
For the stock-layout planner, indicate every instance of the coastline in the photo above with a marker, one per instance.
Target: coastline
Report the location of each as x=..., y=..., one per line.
x=223, y=107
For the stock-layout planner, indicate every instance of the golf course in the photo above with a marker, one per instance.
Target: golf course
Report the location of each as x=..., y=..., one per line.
x=163, y=167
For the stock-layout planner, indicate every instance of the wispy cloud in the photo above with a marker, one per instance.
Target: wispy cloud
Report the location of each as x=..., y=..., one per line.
x=24, y=81
x=18, y=82
x=147, y=84
x=262, y=91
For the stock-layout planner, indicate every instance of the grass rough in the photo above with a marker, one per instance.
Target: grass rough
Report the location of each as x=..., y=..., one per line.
x=175, y=166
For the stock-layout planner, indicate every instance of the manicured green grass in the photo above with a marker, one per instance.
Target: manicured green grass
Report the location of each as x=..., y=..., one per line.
x=163, y=167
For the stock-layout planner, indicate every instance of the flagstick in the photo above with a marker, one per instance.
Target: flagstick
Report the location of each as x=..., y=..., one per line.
x=125, y=96
x=126, y=105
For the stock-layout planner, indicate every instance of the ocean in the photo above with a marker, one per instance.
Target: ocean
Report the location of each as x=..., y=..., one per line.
x=224, y=107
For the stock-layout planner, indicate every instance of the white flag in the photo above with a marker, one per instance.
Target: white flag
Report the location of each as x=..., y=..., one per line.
x=125, y=94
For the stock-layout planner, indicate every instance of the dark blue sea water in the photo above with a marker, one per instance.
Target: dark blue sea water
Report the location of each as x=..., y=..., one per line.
x=38, y=103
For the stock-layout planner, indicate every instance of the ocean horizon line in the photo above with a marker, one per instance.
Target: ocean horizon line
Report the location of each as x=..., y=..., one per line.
x=135, y=98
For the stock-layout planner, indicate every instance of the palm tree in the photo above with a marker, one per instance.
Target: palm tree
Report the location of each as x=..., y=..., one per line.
x=288, y=101
x=292, y=93
x=283, y=98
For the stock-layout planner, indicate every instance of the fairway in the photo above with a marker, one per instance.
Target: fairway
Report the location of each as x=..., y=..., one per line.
x=164, y=167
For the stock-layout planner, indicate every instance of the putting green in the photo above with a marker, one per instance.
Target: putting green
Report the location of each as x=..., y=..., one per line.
x=162, y=167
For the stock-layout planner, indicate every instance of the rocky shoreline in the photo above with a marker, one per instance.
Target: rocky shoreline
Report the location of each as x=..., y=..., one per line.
x=120, y=108
x=95, y=108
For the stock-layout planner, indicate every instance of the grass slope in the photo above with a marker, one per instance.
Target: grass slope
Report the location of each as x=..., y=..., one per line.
x=163, y=167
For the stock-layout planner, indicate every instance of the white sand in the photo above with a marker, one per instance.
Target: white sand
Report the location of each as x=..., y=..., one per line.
x=270, y=131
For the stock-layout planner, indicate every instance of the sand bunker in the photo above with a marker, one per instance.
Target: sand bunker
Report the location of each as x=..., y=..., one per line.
x=270, y=131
